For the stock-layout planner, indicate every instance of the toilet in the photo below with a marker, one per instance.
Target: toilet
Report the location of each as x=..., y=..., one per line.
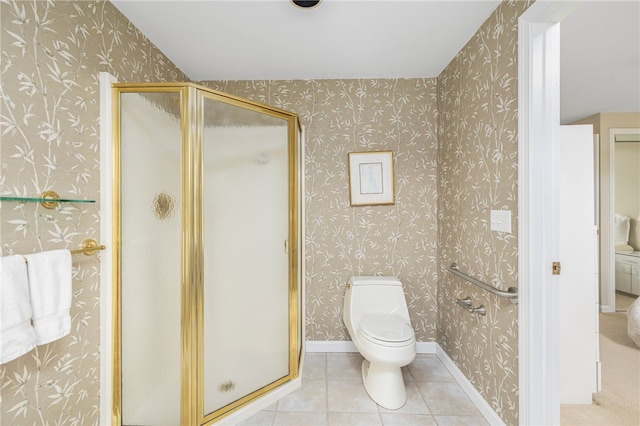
x=377, y=318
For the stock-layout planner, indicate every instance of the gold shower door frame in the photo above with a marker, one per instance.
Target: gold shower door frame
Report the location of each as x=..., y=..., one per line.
x=192, y=97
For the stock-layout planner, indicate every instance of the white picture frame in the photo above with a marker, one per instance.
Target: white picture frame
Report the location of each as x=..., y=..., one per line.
x=371, y=178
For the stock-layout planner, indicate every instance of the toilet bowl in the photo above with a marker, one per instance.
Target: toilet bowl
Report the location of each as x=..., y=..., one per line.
x=377, y=319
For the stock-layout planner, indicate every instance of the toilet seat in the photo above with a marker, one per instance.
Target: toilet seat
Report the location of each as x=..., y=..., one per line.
x=386, y=330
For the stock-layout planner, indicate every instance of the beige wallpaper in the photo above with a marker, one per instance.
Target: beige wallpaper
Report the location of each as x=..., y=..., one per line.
x=455, y=144
x=477, y=157
x=51, y=54
x=340, y=116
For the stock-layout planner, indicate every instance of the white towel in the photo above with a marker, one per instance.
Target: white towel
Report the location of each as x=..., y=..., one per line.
x=50, y=291
x=16, y=333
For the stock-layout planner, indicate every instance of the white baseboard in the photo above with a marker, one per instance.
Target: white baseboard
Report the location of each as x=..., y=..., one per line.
x=426, y=347
x=606, y=309
x=422, y=348
x=483, y=406
x=330, y=346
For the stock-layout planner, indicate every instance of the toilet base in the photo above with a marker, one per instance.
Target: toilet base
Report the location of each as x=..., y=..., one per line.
x=385, y=385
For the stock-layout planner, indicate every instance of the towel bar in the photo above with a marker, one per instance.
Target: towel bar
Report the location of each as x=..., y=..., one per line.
x=89, y=247
x=511, y=293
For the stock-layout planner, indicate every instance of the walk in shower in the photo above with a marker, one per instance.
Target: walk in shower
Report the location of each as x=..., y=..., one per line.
x=207, y=286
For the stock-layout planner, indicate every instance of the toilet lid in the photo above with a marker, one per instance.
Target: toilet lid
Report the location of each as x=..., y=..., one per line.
x=386, y=328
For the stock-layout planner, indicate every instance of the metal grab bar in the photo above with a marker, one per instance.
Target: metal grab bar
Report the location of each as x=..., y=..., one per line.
x=466, y=304
x=511, y=294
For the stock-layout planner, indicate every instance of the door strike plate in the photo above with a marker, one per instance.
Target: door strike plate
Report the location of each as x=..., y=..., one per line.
x=556, y=268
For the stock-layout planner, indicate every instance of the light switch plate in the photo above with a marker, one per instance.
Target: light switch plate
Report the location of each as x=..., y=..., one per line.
x=501, y=220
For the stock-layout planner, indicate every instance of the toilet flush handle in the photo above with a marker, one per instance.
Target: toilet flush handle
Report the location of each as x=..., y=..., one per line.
x=348, y=285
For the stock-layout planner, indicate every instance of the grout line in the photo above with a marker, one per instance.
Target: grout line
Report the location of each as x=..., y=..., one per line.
x=325, y=361
x=326, y=384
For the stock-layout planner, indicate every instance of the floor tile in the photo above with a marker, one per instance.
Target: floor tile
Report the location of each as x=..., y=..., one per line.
x=261, y=418
x=390, y=419
x=272, y=407
x=428, y=368
x=415, y=403
x=446, y=399
x=300, y=419
x=312, y=396
x=349, y=396
x=315, y=366
x=354, y=419
x=406, y=374
x=461, y=420
x=332, y=393
x=344, y=367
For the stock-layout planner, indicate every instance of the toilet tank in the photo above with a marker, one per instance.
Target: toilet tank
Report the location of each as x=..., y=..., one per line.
x=367, y=295
x=364, y=280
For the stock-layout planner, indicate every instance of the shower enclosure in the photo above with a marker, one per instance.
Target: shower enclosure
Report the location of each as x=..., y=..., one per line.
x=206, y=244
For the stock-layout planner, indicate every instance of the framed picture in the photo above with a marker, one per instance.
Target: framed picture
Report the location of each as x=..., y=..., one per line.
x=371, y=178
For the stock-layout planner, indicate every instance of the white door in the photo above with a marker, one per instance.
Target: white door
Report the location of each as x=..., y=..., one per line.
x=578, y=256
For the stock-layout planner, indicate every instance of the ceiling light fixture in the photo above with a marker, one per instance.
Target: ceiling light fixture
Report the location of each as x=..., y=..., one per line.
x=305, y=4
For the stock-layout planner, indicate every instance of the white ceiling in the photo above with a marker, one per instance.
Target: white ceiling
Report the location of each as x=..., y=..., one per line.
x=600, y=59
x=273, y=40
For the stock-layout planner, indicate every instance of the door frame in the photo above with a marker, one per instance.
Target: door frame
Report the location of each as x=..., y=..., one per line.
x=611, y=245
x=538, y=127
x=106, y=258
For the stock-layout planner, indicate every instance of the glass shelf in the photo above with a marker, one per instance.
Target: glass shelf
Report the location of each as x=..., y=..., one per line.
x=48, y=199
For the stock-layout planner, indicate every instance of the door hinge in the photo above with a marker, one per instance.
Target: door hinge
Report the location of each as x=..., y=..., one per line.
x=556, y=268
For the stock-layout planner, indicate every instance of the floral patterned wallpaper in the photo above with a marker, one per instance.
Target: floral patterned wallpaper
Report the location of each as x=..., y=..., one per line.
x=454, y=140
x=341, y=116
x=477, y=156
x=52, y=53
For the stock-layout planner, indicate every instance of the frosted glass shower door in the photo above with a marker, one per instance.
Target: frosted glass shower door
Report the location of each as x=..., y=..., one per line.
x=150, y=194
x=206, y=253
x=246, y=271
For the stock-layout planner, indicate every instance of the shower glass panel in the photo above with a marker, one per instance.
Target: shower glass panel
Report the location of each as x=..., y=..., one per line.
x=150, y=190
x=246, y=270
x=206, y=253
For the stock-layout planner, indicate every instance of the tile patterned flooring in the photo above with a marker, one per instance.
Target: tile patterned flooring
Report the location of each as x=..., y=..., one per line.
x=332, y=393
